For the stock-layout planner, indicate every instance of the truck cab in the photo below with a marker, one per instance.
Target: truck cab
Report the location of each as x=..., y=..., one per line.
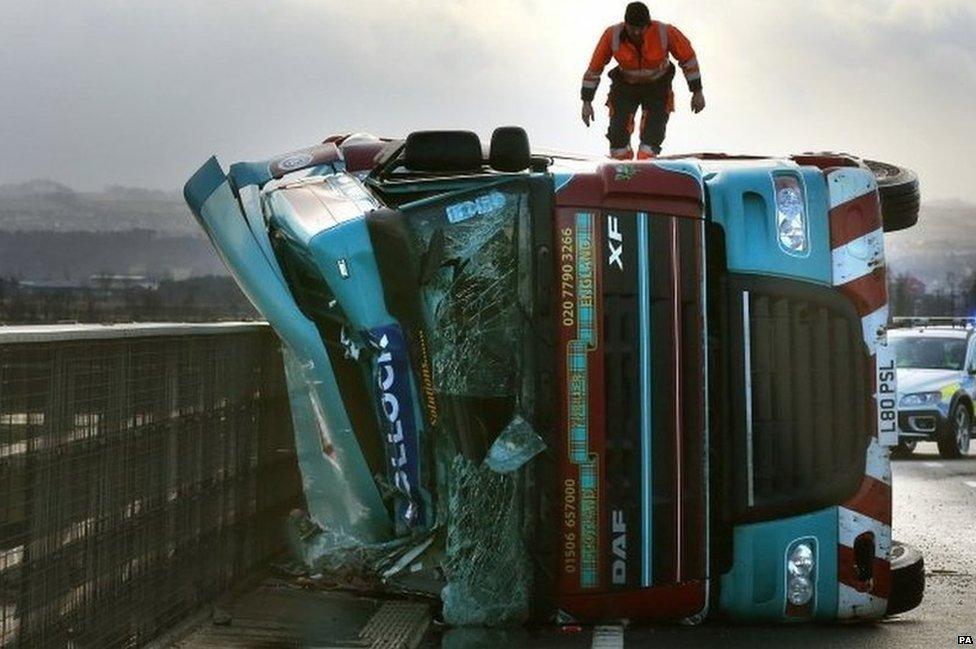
x=682, y=363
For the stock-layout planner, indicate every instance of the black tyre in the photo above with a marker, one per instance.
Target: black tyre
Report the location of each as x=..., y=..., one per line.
x=954, y=436
x=900, y=195
x=905, y=448
x=907, y=578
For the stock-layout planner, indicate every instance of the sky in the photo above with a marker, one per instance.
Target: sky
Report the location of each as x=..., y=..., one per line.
x=141, y=92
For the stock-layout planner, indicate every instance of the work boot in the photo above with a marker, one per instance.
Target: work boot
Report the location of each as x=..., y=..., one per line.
x=646, y=152
x=625, y=153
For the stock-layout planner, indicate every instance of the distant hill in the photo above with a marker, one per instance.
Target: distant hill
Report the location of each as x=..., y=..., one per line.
x=942, y=244
x=170, y=243
x=45, y=205
x=76, y=256
x=49, y=231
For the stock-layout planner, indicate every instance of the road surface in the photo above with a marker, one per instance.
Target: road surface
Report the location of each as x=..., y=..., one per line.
x=934, y=509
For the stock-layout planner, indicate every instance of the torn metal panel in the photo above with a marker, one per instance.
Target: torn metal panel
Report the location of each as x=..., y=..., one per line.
x=327, y=479
x=330, y=467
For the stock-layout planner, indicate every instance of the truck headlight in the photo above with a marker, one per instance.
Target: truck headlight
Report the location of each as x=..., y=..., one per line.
x=799, y=591
x=801, y=571
x=920, y=399
x=791, y=215
x=800, y=562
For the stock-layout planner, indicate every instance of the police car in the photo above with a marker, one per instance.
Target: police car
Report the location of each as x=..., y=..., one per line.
x=936, y=365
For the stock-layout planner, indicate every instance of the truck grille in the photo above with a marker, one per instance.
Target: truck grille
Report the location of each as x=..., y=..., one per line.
x=807, y=421
x=632, y=398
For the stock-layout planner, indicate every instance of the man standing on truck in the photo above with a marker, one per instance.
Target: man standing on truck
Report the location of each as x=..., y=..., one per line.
x=643, y=75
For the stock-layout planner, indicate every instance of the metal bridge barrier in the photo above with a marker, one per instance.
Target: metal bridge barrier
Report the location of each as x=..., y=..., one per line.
x=144, y=470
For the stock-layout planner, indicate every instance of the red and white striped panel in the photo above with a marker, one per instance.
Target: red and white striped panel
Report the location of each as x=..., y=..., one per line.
x=857, y=253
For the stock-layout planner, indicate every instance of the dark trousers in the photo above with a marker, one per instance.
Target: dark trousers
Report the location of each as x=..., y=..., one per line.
x=653, y=99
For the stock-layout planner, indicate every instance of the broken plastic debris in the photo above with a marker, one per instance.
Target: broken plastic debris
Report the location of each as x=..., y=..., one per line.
x=339, y=561
x=407, y=558
x=304, y=526
x=514, y=446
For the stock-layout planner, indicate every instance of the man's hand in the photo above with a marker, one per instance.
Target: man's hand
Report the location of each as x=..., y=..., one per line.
x=587, y=113
x=698, y=102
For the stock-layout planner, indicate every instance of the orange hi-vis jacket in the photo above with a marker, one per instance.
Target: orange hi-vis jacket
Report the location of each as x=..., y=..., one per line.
x=645, y=65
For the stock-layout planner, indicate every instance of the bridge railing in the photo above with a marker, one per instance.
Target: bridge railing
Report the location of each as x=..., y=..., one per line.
x=143, y=470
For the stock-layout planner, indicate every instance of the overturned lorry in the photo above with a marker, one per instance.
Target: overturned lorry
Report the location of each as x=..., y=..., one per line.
x=540, y=386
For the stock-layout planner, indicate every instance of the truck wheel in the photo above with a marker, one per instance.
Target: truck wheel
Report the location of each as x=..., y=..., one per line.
x=954, y=437
x=900, y=196
x=905, y=448
x=907, y=578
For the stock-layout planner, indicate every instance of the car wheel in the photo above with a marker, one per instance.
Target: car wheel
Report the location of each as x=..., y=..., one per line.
x=905, y=448
x=954, y=438
x=900, y=196
x=907, y=578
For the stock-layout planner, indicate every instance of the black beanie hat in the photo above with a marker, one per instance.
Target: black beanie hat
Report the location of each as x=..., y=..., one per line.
x=637, y=14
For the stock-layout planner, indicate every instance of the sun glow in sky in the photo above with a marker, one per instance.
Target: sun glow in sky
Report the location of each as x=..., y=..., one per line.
x=140, y=93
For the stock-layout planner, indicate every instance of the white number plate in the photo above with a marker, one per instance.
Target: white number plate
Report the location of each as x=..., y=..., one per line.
x=886, y=395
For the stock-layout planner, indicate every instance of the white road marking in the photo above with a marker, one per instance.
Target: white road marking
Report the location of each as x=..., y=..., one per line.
x=934, y=465
x=608, y=637
x=970, y=483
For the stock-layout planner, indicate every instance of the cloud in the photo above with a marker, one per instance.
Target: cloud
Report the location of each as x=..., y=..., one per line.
x=885, y=80
x=110, y=91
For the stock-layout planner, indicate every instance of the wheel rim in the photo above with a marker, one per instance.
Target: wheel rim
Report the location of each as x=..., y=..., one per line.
x=962, y=430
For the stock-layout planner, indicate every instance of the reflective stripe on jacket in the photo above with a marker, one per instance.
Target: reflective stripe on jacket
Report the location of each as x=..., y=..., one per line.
x=645, y=65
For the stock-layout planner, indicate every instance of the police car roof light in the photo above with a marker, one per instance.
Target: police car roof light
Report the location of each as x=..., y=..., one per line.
x=934, y=321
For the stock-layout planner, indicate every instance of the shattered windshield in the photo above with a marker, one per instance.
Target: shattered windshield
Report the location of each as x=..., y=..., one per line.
x=470, y=290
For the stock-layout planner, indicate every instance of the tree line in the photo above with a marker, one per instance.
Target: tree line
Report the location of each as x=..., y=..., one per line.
x=197, y=299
